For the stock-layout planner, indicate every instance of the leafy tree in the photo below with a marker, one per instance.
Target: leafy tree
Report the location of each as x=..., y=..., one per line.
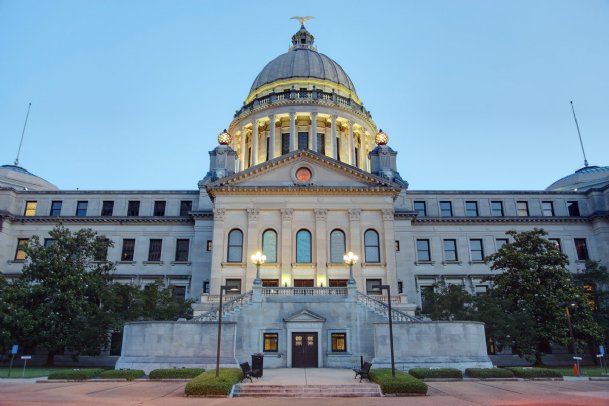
x=594, y=282
x=532, y=290
x=57, y=298
x=448, y=302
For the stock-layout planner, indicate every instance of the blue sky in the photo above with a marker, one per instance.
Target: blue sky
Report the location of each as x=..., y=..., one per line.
x=474, y=94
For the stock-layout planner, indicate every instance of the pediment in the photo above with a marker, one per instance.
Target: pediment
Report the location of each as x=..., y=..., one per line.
x=283, y=173
x=304, y=316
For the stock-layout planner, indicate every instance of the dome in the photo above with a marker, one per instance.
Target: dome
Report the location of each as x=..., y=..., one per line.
x=588, y=177
x=303, y=61
x=21, y=179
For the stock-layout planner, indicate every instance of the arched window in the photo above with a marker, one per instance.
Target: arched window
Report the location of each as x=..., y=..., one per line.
x=303, y=247
x=235, y=246
x=269, y=245
x=371, y=246
x=337, y=246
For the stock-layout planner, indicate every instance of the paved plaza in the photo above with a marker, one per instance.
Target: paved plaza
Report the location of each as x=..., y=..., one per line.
x=27, y=392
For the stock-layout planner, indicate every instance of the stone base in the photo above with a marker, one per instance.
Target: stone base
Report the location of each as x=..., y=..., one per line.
x=461, y=363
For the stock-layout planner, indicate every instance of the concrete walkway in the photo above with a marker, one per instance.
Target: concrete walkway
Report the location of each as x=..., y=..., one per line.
x=305, y=376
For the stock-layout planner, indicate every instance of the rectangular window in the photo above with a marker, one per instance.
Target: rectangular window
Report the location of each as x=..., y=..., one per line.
x=271, y=341
x=267, y=149
x=304, y=283
x=133, y=208
x=249, y=157
x=497, y=209
x=338, y=148
x=128, y=249
x=423, y=254
x=522, y=209
x=101, y=254
x=400, y=287
x=481, y=290
x=339, y=342
x=55, y=208
x=397, y=245
x=450, y=250
x=154, y=250
x=356, y=156
x=81, y=208
x=48, y=242
x=476, y=250
x=179, y=292
x=20, y=254
x=337, y=283
x=573, y=208
x=270, y=283
x=233, y=286
x=285, y=143
x=209, y=245
x=547, y=209
x=446, y=209
x=500, y=242
x=556, y=242
x=471, y=209
x=582, y=249
x=373, y=287
x=107, y=208
x=159, y=208
x=303, y=140
x=321, y=143
x=182, y=246
x=30, y=208
x=185, y=207
x=421, y=208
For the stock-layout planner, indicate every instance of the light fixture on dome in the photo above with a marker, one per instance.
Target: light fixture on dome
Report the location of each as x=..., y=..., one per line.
x=224, y=138
x=381, y=138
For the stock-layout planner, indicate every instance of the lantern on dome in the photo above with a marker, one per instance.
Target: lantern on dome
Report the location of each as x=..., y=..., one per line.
x=224, y=138
x=381, y=138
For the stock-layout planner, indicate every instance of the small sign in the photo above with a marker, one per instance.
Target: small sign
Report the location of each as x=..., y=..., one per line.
x=26, y=357
x=578, y=358
x=601, y=350
x=15, y=349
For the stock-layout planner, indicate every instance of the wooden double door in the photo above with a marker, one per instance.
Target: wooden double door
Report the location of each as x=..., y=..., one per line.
x=304, y=350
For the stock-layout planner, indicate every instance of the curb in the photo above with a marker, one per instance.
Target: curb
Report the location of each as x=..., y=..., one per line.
x=110, y=380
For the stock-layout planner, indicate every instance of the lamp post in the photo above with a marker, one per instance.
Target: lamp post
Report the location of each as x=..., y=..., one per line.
x=258, y=258
x=573, y=344
x=223, y=289
x=350, y=259
x=381, y=288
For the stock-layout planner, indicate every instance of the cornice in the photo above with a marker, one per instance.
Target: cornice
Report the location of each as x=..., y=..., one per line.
x=102, y=192
x=99, y=220
x=504, y=220
x=301, y=190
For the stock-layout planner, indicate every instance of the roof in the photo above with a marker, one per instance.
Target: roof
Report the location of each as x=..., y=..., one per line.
x=583, y=179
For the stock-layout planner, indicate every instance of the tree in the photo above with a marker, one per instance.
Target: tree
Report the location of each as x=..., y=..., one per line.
x=448, y=302
x=594, y=282
x=58, y=295
x=532, y=290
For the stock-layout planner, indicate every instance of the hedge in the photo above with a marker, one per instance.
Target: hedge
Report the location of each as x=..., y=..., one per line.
x=535, y=372
x=128, y=374
x=423, y=373
x=402, y=383
x=489, y=373
x=207, y=384
x=76, y=374
x=175, y=373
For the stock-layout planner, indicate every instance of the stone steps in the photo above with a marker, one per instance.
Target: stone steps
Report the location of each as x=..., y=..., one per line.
x=307, y=391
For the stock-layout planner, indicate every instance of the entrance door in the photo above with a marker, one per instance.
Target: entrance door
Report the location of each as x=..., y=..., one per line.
x=304, y=350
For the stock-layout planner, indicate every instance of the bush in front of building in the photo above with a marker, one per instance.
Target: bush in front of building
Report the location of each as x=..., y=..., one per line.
x=207, y=384
x=424, y=373
x=175, y=373
x=76, y=374
x=484, y=373
x=128, y=374
x=529, y=373
x=403, y=383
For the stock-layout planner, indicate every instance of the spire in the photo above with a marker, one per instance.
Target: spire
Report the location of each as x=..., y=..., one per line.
x=303, y=38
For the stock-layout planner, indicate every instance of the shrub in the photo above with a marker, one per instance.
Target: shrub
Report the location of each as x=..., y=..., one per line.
x=402, y=383
x=175, y=373
x=207, y=384
x=76, y=374
x=535, y=372
x=489, y=373
x=423, y=373
x=128, y=374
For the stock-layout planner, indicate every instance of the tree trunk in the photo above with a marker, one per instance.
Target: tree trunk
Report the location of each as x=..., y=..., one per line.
x=538, y=362
x=50, y=358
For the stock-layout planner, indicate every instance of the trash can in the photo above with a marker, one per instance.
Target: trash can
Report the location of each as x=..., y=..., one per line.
x=257, y=365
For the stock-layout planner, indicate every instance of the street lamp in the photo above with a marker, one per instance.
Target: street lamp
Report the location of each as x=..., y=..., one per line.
x=573, y=345
x=223, y=288
x=350, y=259
x=258, y=258
x=381, y=288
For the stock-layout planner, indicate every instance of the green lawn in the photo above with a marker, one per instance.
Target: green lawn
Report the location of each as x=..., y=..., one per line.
x=30, y=372
x=584, y=371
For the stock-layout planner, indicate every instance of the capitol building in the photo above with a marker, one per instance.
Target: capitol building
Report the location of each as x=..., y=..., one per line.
x=303, y=175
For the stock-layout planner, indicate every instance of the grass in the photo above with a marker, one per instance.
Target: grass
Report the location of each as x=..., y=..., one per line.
x=423, y=373
x=529, y=373
x=175, y=373
x=207, y=384
x=30, y=372
x=76, y=374
x=402, y=383
x=584, y=371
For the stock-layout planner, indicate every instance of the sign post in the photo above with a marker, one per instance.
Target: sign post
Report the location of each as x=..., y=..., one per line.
x=25, y=358
x=14, y=350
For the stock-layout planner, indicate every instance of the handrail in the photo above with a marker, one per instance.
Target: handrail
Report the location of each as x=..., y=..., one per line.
x=227, y=307
x=382, y=307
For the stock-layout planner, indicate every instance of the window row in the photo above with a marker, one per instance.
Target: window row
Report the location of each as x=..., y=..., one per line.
x=155, y=246
x=338, y=342
x=304, y=246
x=107, y=208
x=496, y=208
x=476, y=249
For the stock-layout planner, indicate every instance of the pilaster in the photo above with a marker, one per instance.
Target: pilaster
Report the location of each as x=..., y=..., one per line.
x=243, y=151
x=286, y=246
x=390, y=261
x=355, y=245
x=333, y=143
x=313, y=131
x=272, y=137
x=218, y=250
x=255, y=142
x=252, y=246
x=321, y=244
x=351, y=145
x=293, y=143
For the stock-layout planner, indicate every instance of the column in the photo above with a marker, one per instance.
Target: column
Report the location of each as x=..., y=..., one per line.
x=321, y=244
x=355, y=245
x=286, y=246
x=272, y=137
x=351, y=144
x=243, y=152
x=391, y=270
x=313, y=131
x=333, y=144
x=255, y=142
x=250, y=247
x=362, y=150
x=293, y=143
x=218, y=251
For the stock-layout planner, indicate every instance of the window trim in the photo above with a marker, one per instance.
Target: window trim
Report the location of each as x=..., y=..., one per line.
x=133, y=208
x=82, y=212
x=334, y=349
x=30, y=208
x=545, y=210
x=378, y=247
x=163, y=204
x=229, y=246
x=55, y=212
x=586, y=252
x=500, y=211
x=22, y=243
x=427, y=251
x=152, y=254
x=178, y=251
x=524, y=209
x=264, y=249
x=456, y=251
x=339, y=258
x=310, y=253
x=131, y=251
x=107, y=211
x=471, y=250
x=450, y=208
x=475, y=210
x=264, y=341
x=420, y=202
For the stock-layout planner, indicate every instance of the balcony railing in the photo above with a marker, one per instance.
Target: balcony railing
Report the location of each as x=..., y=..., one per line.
x=277, y=291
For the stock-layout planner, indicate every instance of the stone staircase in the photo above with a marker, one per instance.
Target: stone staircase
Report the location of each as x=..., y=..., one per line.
x=361, y=390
